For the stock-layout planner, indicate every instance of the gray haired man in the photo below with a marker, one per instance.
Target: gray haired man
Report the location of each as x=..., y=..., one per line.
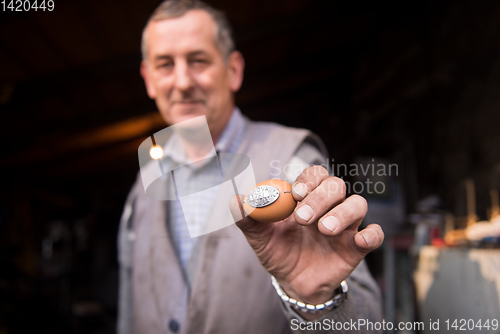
x=221, y=283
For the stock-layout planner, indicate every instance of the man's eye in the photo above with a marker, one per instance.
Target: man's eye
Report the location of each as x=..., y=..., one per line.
x=161, y=65
x=200, y=61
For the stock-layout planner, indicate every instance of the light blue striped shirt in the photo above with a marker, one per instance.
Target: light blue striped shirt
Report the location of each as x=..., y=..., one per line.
x=193, y=178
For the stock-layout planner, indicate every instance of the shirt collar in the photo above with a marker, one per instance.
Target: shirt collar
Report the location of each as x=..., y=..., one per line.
x=229, y=140
x=230, y=137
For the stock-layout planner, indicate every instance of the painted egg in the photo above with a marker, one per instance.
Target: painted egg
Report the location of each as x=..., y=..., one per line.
x=270, y=201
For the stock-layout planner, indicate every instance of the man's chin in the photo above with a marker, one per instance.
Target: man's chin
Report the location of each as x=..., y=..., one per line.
x=193, y=129
x=187, y=111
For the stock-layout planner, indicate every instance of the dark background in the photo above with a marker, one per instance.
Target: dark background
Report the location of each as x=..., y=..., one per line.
x=414, y=82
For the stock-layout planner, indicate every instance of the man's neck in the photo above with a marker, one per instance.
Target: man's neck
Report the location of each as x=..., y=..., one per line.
x=198, y=150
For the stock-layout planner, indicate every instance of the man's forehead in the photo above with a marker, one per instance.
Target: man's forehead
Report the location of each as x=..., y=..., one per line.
x=195, y=29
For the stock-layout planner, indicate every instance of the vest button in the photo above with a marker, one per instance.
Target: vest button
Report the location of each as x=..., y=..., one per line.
x=173, y=325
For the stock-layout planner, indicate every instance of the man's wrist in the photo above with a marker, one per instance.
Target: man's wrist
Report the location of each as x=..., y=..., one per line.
x=311, y=291
x=312, y=310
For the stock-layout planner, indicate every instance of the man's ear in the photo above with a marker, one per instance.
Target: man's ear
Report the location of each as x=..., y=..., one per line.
x=147, y=80
x=236, y=66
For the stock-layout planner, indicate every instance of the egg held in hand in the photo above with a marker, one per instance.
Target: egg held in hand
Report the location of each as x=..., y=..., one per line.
x=270, y=201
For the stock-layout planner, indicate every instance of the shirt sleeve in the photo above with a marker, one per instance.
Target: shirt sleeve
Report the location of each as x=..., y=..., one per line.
x=364, y=302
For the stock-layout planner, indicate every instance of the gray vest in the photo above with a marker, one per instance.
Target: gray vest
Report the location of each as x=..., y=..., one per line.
x=231, y=292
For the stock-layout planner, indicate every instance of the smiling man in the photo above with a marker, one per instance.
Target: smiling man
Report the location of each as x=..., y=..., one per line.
x=187, y=71
x=250, y=277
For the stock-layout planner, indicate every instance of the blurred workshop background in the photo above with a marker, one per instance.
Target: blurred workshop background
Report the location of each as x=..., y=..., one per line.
x=413, y=83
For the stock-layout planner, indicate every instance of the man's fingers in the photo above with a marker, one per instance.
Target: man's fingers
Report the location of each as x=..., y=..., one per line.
x=349, y=213
x=330, y=192
x=370, y=238
x=307, y=181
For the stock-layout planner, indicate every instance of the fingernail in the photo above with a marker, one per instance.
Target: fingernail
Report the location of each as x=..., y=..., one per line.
x=331, y=223
x=367, y=238
x=300, y=189
x=305, y=212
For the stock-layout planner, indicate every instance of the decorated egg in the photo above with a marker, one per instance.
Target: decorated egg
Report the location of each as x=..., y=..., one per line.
x=270, y=201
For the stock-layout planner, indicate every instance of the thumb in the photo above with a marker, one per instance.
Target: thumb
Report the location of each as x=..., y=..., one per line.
x=245, y=223
x=370, y=238
x=236, y=207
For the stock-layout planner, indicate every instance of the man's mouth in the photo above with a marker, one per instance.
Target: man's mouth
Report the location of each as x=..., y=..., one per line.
x=188, y=102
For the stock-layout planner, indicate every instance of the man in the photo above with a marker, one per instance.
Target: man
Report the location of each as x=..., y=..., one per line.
x=215, y=284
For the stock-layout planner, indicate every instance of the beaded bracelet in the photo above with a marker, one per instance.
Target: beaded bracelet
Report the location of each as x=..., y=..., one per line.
x=329, y=305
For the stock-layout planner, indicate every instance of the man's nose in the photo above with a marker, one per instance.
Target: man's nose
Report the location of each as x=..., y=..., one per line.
x=183, y=78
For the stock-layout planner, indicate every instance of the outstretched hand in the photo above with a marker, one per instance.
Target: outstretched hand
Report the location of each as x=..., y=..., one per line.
x=318, y=245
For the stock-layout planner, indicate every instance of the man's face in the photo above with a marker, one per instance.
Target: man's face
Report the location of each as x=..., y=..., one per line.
x=185, y=72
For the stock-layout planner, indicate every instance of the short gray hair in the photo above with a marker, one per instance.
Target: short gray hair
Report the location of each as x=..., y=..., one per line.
x=176, y=8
